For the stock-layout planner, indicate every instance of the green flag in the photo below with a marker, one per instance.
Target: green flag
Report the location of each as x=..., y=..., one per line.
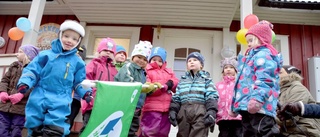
x=113, y=109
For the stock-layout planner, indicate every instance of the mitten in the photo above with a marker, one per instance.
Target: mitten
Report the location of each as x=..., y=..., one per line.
x=169, y=83
x=4, y=97
x=173, y=118
x=232, y=114
x=149, y=87
x=88, y=98
x=289, y=109
x=15, y=98
x=209, y=118
x=254, y=106
x=23, y=88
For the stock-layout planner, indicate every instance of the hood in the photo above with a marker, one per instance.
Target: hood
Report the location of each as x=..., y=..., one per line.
x=287, y=80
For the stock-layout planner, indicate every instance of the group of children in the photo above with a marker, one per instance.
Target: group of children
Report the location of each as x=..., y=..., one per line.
x=249, y=87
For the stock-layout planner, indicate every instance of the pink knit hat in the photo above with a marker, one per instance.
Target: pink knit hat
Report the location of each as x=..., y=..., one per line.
x=107, y=44
x=263, y=31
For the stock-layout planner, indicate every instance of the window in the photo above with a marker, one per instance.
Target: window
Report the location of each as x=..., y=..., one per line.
x=180, y=57
x=119, y=41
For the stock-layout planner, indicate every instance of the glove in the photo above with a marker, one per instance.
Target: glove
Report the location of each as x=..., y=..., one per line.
x=4, y=97
x=289, y=109
x=23, y=88
x=173, y=118
x=88, y=98
x=169, y=84
x=148, y=88
x=209, y=119
x=15, y=98
x=232, y=114
x=254, y=106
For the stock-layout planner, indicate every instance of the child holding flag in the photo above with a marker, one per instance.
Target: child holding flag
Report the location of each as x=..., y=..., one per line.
x=194, y=106
x=12, y=106
x=134, y=71
x=102, y=69
x=154, y=121
x=54, y=73
x=257, y=86
x=120, y=57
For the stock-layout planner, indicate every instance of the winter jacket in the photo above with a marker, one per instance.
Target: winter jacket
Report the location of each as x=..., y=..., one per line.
x=293, y=91
x=100, y=69
x=195, y=89
x=258, y=78
x=160, y=99
x=131, y=72
x=119, y=65
x=225, y=89
x=56, y=72
x=311, y=111
x=8, y=84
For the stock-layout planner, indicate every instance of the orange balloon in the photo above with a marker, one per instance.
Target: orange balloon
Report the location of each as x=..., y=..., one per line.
x=15, y=33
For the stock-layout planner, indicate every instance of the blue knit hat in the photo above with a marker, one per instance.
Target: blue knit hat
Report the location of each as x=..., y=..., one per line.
x=120, y=48
x=158, y=51
x=196, y=55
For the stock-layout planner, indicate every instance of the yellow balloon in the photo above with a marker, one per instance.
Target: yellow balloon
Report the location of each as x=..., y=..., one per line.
x=241, y=36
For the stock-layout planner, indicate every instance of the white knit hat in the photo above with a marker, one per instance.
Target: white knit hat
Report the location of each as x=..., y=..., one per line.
x=72, y=25
x=142, y=48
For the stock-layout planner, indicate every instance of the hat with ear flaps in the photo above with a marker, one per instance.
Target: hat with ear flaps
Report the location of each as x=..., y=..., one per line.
x=72, y=25
x=229, y=61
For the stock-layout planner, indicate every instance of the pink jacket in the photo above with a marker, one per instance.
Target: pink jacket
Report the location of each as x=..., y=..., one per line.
x=98, y=69
x=161, y=98
x=225, y=89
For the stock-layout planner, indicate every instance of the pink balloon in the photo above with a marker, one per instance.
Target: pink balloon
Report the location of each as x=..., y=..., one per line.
x=250, y=20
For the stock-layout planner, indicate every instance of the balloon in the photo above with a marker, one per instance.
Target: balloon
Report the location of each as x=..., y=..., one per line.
x=241, y=36
x=15, y=33
x=273, y=36
x=250, y=20
x=23, y=24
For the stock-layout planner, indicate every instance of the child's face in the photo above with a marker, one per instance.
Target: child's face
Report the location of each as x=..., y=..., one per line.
x=194, y=64
x=106, y=53
x=253, y=41
x=282, y=73
x=69, y=39
x=120, y=57
x=157, y=59
x=140, y=60
x=229, y=70
x=20, y=55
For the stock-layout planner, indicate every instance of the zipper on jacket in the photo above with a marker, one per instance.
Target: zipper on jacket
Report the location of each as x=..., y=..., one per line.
x=108, y=72
x=67, y=70
x=100, y=75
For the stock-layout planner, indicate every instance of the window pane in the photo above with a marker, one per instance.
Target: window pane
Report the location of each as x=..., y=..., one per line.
x=181, y=53
x=179, y=64
x=179, y=73
x=193, y=50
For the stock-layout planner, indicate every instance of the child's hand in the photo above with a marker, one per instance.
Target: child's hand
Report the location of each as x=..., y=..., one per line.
x=15, y=98
x=254, y=106
x=4, y=97
x=149, y=87
x=169, y=83
x=172, y=118
x=88, y=98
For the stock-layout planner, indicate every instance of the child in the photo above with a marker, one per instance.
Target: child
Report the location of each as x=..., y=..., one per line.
x=134, y=72
x=257, y=85
x=228, y=126
x=194, y=106
x=54, y=73
x=292, y=90
x=102, y=69
x=13, y=103
x=154, y=121
x=120, y=57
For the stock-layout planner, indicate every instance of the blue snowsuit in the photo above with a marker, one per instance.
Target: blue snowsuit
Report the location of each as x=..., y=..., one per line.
x=53, y=74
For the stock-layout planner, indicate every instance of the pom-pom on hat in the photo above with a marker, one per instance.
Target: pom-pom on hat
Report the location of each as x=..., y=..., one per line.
x=229, y=61
x=120, y=48
x=158, y=51
x=107, y=44
x=289, y=69
x=30, y=51
x=143, y=48
x=196, y=55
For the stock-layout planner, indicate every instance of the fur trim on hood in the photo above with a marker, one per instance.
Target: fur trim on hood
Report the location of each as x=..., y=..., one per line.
x=290, y=78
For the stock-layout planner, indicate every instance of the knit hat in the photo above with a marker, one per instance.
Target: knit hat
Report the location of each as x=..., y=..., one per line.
x=229, y=61
x=30, y=51
x=158, y=51
x=72, y=25
x=120, y=48
x=142, y=48
x=289, y=69
x=196, y=55
x=107, y=44
x=263, y=31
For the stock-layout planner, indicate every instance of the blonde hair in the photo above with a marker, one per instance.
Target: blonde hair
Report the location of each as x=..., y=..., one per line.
x=25, y=60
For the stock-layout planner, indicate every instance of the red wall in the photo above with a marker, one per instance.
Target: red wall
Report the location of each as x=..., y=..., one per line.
x=304, y=42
